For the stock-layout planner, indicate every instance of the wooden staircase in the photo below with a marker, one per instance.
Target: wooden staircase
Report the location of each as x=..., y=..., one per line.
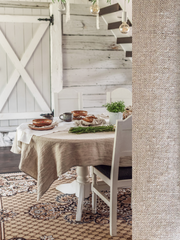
x=115, y=25
x=110, y=9
x=112, y=16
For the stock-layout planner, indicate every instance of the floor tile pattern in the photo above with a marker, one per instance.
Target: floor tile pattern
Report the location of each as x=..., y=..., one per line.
x=24, y=226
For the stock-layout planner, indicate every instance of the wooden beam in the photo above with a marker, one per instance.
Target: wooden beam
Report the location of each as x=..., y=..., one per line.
x=22, y=19
x=128, y=54
x=18, y=4
x=110, y=9
x=124, y=40
x=77, y=26
x=56, y=57
x=115, y=25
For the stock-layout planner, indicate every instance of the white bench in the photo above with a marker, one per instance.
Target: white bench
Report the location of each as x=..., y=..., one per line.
x=4, y=132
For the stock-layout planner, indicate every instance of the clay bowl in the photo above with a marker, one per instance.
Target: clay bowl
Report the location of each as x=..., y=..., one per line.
x=77, y=113
x=42, y=122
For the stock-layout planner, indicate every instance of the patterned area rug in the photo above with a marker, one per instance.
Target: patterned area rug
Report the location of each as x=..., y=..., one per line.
x=22, y=217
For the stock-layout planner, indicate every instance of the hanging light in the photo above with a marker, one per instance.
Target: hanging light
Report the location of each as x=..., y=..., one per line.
x=124, y=27
x=94, y=8
x=62, y=7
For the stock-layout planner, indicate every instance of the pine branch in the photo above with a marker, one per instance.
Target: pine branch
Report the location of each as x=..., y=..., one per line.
x=80, y=130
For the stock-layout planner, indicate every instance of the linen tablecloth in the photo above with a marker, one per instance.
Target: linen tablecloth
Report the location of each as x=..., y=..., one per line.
x=47, y=157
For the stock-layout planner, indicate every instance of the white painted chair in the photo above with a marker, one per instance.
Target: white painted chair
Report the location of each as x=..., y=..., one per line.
x=67, y=100
x=114, y=176
x=120, y=94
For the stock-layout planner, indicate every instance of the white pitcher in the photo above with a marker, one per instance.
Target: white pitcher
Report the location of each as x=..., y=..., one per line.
x=114, y=116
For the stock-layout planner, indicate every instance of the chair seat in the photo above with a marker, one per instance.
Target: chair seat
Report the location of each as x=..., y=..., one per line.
x=124, y=172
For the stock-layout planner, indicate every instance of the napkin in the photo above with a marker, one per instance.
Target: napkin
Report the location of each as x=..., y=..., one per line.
x=103, y=115
x=24, y=133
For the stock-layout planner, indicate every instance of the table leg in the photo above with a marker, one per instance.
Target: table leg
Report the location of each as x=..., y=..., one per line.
x=81, y=187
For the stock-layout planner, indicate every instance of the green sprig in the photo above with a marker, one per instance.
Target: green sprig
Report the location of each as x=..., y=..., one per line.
x=80, y=130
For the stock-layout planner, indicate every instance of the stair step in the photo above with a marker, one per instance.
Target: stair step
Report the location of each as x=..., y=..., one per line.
x=110, y=9
x=128, y=54
x=115, y=25
x=124, y=40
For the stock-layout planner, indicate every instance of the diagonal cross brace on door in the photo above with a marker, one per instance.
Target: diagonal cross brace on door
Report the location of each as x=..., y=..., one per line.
x=20, y=68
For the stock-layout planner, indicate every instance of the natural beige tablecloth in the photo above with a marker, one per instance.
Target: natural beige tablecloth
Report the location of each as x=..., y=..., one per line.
x=47, y=157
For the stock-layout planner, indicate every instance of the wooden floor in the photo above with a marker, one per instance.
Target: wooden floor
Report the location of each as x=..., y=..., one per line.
x=9, y=161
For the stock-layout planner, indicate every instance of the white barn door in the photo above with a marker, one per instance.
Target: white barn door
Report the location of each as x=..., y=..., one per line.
x=25, y=86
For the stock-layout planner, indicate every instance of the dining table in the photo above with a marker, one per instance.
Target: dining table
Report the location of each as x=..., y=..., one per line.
x=46, y=156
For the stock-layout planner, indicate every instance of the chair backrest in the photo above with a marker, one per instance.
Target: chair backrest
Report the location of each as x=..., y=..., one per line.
x=120, y=94
x=68, y=100
x=122, y=144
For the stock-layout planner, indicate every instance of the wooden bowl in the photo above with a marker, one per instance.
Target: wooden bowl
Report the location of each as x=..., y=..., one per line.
x=42, y=122
x=78, y=113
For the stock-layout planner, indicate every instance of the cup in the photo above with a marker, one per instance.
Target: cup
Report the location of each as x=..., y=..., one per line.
x=67, y=117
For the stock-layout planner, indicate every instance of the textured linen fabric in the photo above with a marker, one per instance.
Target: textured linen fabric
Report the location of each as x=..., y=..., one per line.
x=24, y=133
x=47, y=157
x=156, y=120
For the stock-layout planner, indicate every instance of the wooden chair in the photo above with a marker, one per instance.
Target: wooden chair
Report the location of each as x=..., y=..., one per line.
x=120, y=94
x=115, y=176
x=67, y=100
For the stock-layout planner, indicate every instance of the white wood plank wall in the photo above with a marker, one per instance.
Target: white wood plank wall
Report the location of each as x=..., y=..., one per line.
x=92, y=62
x=19, y=35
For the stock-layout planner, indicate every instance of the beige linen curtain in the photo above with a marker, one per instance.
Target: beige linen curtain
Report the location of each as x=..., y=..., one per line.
x=156, y=120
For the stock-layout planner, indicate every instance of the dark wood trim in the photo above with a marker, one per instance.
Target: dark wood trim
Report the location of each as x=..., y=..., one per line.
x=110, y=9
x=124, y=40
x=129, y=23
x=115, y=25
x=128, y=54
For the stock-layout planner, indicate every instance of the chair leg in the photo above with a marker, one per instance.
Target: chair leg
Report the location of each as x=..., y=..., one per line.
x=94, y=196
x=113, y=212
x=94, y=202
x=90, y=171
